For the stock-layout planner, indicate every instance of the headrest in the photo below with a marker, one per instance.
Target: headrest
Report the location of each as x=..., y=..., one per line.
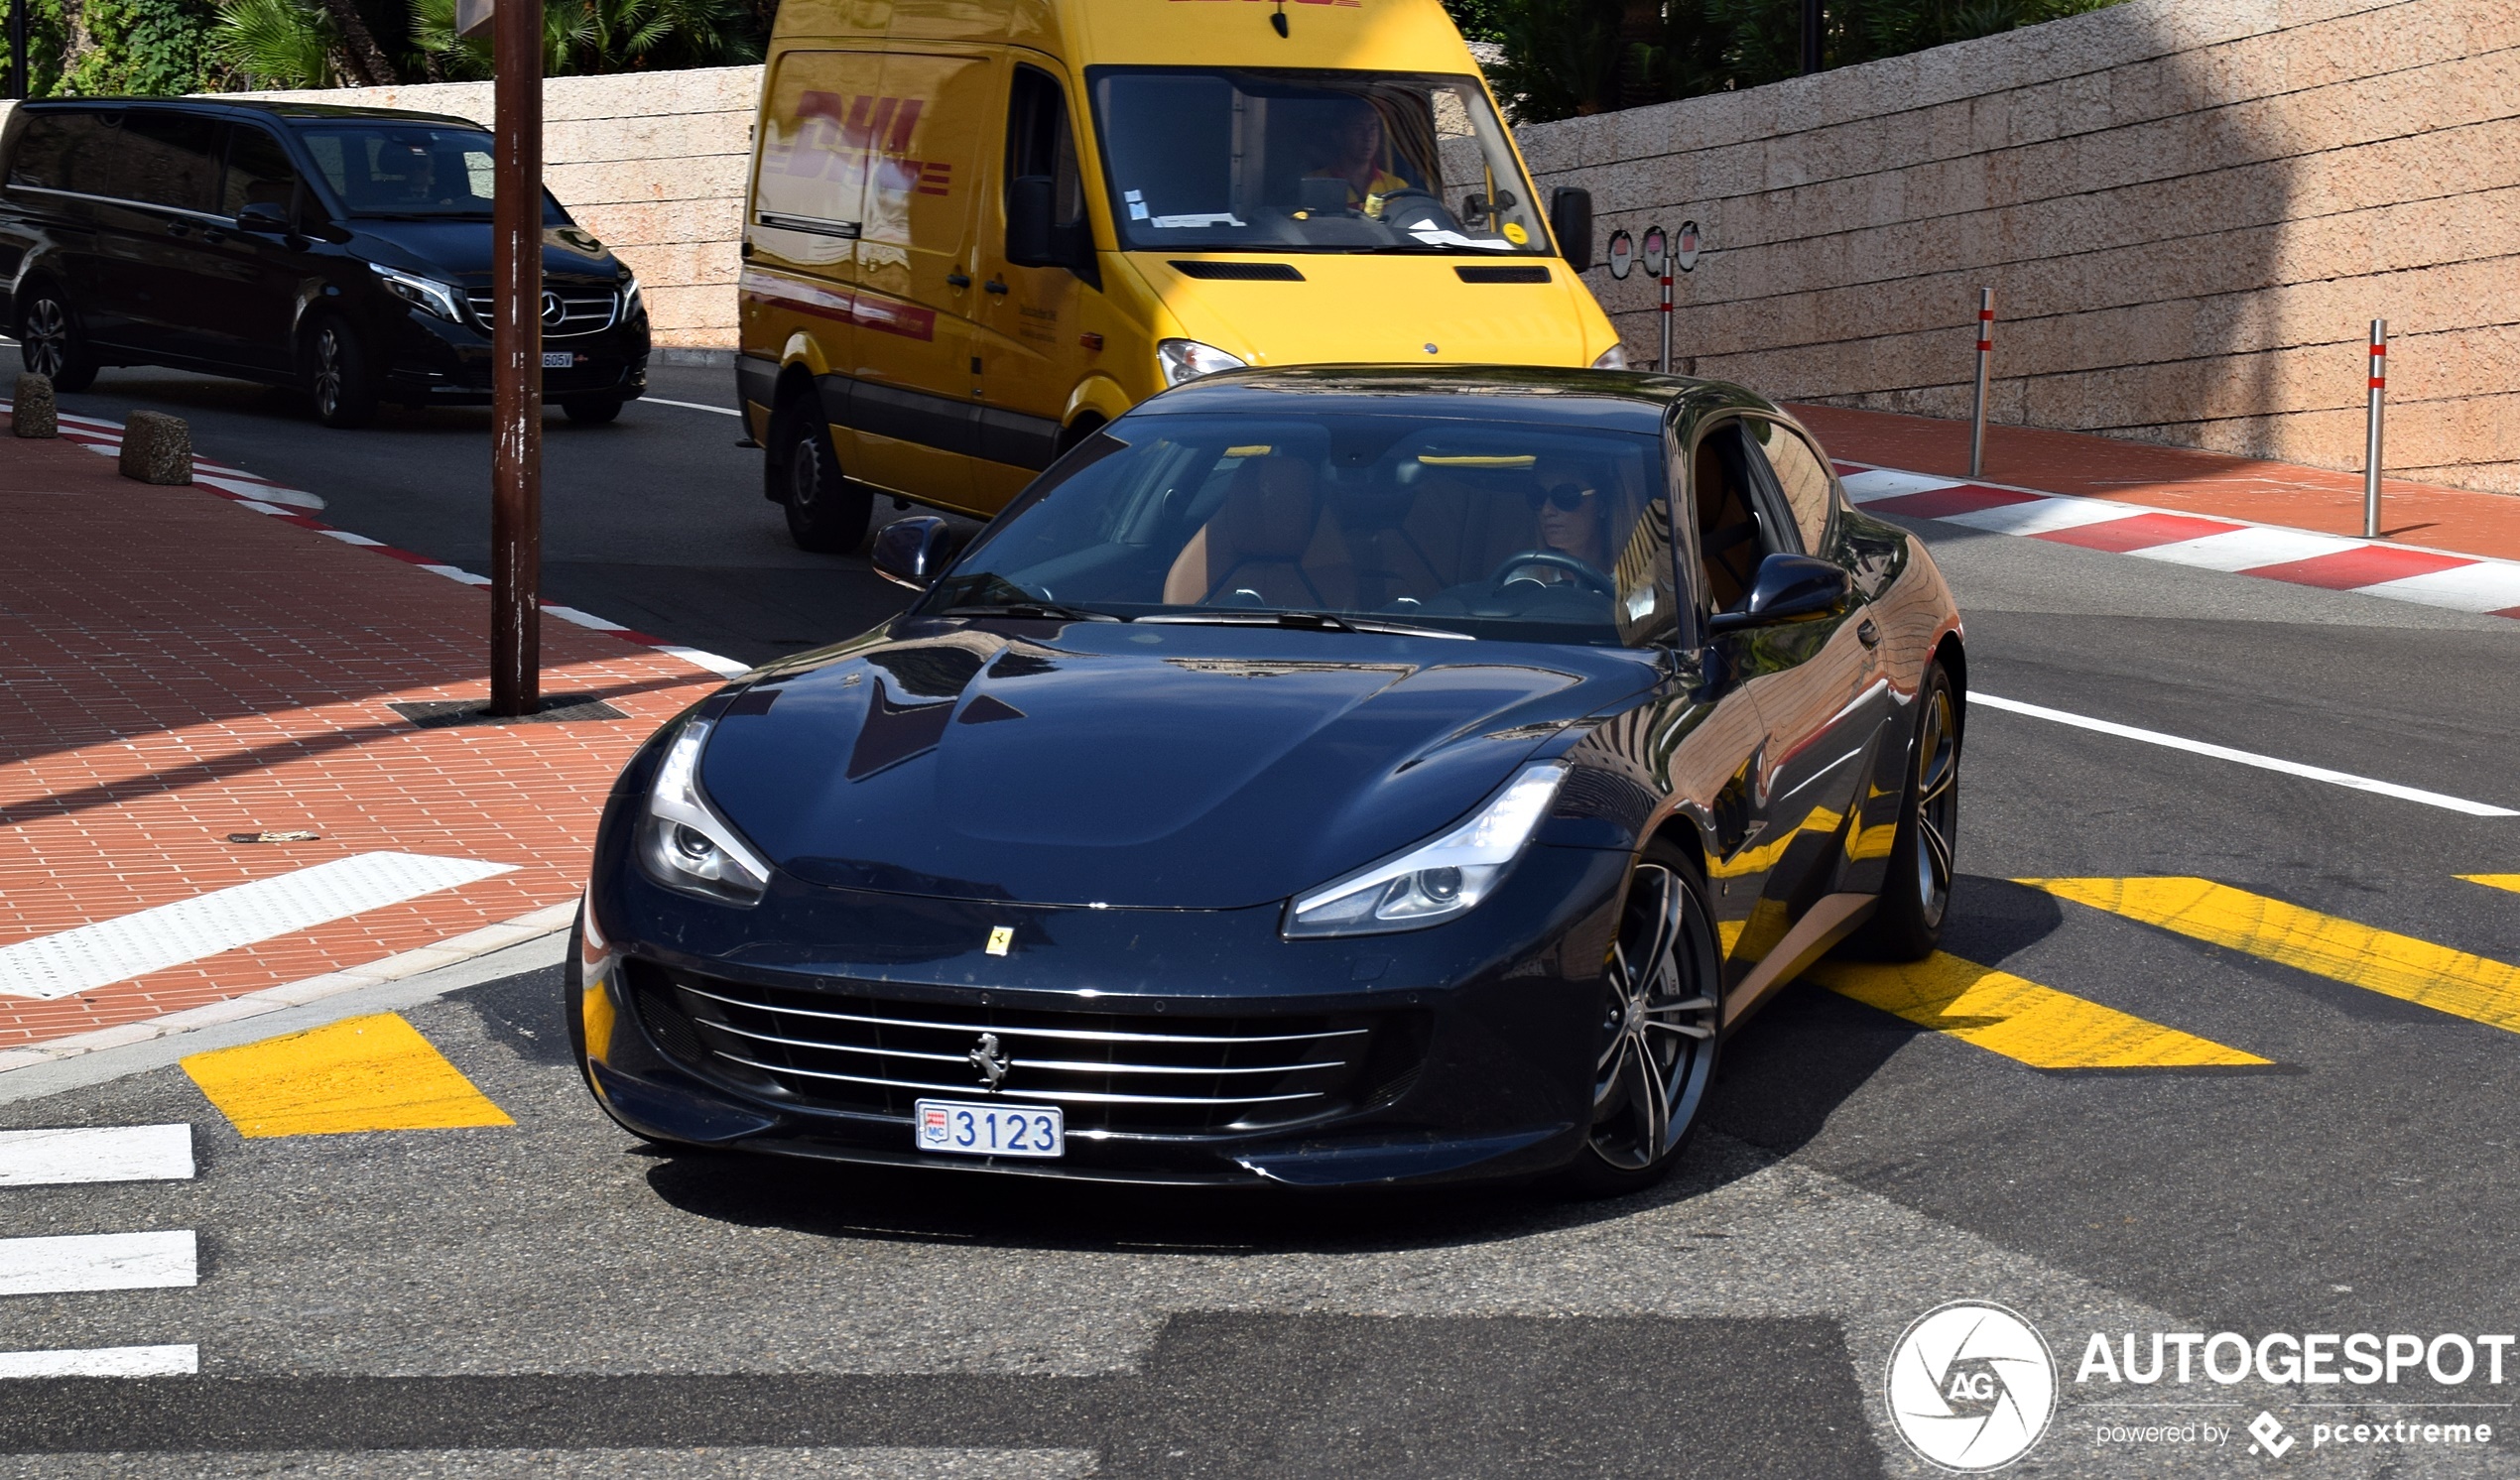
x=1269, y=513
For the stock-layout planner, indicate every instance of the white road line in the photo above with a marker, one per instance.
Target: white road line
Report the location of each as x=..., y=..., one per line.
x=2244, y=757
x=103, y=1361
x=223, y=919
x=1888, y=483
x=97, y=1261
x=107, y=1154
x=723, y=411
x=2246, y=549
x=724, y=667
x=2486, y=585
x=2043, y=515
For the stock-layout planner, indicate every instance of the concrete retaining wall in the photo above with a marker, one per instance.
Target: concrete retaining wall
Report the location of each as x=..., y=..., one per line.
x=2189, y=210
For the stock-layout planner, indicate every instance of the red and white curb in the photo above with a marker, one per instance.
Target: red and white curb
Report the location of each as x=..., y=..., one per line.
x=266, y=497
x=2398, y=573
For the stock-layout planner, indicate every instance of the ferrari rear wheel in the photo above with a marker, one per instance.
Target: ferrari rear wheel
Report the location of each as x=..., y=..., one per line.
x=1660, y=1012
x=1907, y=926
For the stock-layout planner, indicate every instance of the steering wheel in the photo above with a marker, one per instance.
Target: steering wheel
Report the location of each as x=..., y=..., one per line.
x=1411, y=199
x=1555, y=561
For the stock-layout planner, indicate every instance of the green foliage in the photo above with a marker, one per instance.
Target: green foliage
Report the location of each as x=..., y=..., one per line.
x=1478, y=20
x=277, y=43
x=143, y=48
x=1564, y=58
x=602, y=36
x=46, y=32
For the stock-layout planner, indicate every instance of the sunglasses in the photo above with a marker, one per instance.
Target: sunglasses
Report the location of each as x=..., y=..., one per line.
x=1566, y=496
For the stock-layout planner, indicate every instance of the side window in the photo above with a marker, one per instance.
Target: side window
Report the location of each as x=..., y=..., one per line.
x=1732, y=528
x=66, y=152
x=37, y=159
x=1038, y=142
x=169, y=159
x=1801, y=481
x=258, y=172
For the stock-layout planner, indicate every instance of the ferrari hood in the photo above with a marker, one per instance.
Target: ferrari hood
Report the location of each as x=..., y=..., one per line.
x=1135, y=766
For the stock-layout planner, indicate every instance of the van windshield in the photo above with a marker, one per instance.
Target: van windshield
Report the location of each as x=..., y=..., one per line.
x=409, y=169
x=1217, y=159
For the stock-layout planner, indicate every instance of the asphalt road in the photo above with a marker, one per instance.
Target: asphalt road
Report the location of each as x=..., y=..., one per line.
x=554, y=1297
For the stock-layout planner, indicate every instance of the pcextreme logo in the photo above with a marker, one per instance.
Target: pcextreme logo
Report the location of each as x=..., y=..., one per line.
x=1972, y=1386
x=838, y=137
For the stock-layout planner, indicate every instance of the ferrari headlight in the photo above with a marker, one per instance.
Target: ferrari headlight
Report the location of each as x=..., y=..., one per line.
x=1188, y=359
x=682, y=841
x=1612, y=358
x=1435, y=881
x=425, y=294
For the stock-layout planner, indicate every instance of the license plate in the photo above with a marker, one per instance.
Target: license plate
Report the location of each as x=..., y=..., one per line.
x=984, y=1129
x=559, y=359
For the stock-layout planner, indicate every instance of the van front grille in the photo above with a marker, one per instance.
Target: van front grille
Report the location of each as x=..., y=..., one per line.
x=583, y=309
x=1129, y=1073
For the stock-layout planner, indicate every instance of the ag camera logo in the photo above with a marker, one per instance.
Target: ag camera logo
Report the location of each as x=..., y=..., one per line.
x=1972, y=1386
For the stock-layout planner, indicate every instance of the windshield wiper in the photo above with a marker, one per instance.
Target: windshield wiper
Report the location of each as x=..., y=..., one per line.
x=1043, y=611
x=1302, y=621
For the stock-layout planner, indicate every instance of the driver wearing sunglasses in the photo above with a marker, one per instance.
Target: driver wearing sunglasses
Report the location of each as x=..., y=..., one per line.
x=1568, y=514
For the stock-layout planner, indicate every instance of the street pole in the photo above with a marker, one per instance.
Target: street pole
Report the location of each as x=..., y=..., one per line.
x=1811, y=37
x=516, y=359
x=1985, y=352
x=2371, y=433
x=16, y=49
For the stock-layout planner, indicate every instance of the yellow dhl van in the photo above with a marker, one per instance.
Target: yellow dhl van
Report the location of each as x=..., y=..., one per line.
x=978, y=229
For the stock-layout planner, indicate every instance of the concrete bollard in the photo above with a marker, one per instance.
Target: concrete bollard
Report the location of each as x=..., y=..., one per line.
x=156, y=448
x=31, y=409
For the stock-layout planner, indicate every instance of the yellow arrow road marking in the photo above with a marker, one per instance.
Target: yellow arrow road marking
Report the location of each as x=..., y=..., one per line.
x=2394, y=966
x=2495, y=881
x=362, y=1075
x=2009, y=1015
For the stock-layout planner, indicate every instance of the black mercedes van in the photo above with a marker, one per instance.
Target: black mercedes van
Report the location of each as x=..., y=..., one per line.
x=344, y=251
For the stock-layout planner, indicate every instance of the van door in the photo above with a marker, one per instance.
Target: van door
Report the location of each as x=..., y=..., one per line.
x=1032, y=351
x=250, y=321
x=915, y=403
x=157, y=270
x=809, y=204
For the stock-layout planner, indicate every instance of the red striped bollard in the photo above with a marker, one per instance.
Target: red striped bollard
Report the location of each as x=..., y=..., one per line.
x=1985, y=352
x=2371, y=435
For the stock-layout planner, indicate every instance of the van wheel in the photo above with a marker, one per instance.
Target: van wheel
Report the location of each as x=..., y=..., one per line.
x=826, y=511
x=593, y=411
x=50, y=343
x=339, y=377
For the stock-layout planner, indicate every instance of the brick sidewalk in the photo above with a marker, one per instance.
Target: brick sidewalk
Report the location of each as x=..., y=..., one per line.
x=2261, y=492
x=175, y=667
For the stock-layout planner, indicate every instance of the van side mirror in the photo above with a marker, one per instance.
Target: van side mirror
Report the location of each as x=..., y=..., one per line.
x=1786, y=588
x=913, y=552
x=1034, y=237
x=1570, y=222
x=264, y=216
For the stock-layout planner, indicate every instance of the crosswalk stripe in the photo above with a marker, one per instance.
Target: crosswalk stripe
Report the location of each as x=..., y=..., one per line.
x=2394, y=966
x=113, y=950
x=361, y=1075
x=97, y=1261
x=2495, y=881
x=2018, y=1018
x=109, y=1153
x=103, y=1361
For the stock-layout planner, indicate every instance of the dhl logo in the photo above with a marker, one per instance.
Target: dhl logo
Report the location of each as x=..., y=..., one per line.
x=838, y=137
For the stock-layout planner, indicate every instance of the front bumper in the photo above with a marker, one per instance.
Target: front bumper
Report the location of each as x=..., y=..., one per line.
x=429, y=359
x=1470, y=1046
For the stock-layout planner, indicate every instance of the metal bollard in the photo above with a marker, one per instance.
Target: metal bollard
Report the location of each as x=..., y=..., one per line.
x=1985, y=351
x=2371, y=435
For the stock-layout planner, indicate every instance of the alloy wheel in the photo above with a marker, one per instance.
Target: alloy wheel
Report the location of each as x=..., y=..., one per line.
x=48, y=337
x=1937, y=775
x=1659, y=1016
x=328, y=370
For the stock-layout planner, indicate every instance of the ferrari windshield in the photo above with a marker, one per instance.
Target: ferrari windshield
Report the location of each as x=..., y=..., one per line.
x=1454, y=527
x=1253, y=159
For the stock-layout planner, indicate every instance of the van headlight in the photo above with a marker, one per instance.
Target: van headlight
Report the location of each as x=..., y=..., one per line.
x=1435, y=881
x=425, y=294
x=631, y=308
x=1612, y=358
x=1188, y=359
x=684, y=844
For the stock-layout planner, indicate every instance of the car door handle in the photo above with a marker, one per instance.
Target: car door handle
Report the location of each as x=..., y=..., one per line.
x=994, y=286
x=957, y=280
x=1868, y=634
x=178, y=228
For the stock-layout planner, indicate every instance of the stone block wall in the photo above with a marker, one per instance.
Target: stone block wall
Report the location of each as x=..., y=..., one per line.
x=653, y=163
x=2189, y=209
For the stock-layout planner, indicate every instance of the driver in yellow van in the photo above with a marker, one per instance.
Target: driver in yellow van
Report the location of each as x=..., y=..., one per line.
x=1353, y=151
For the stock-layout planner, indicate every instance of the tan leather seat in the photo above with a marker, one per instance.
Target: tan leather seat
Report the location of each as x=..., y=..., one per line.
x=1266, y=539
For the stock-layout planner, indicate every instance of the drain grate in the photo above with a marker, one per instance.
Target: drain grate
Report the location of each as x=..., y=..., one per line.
x=558, y=708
